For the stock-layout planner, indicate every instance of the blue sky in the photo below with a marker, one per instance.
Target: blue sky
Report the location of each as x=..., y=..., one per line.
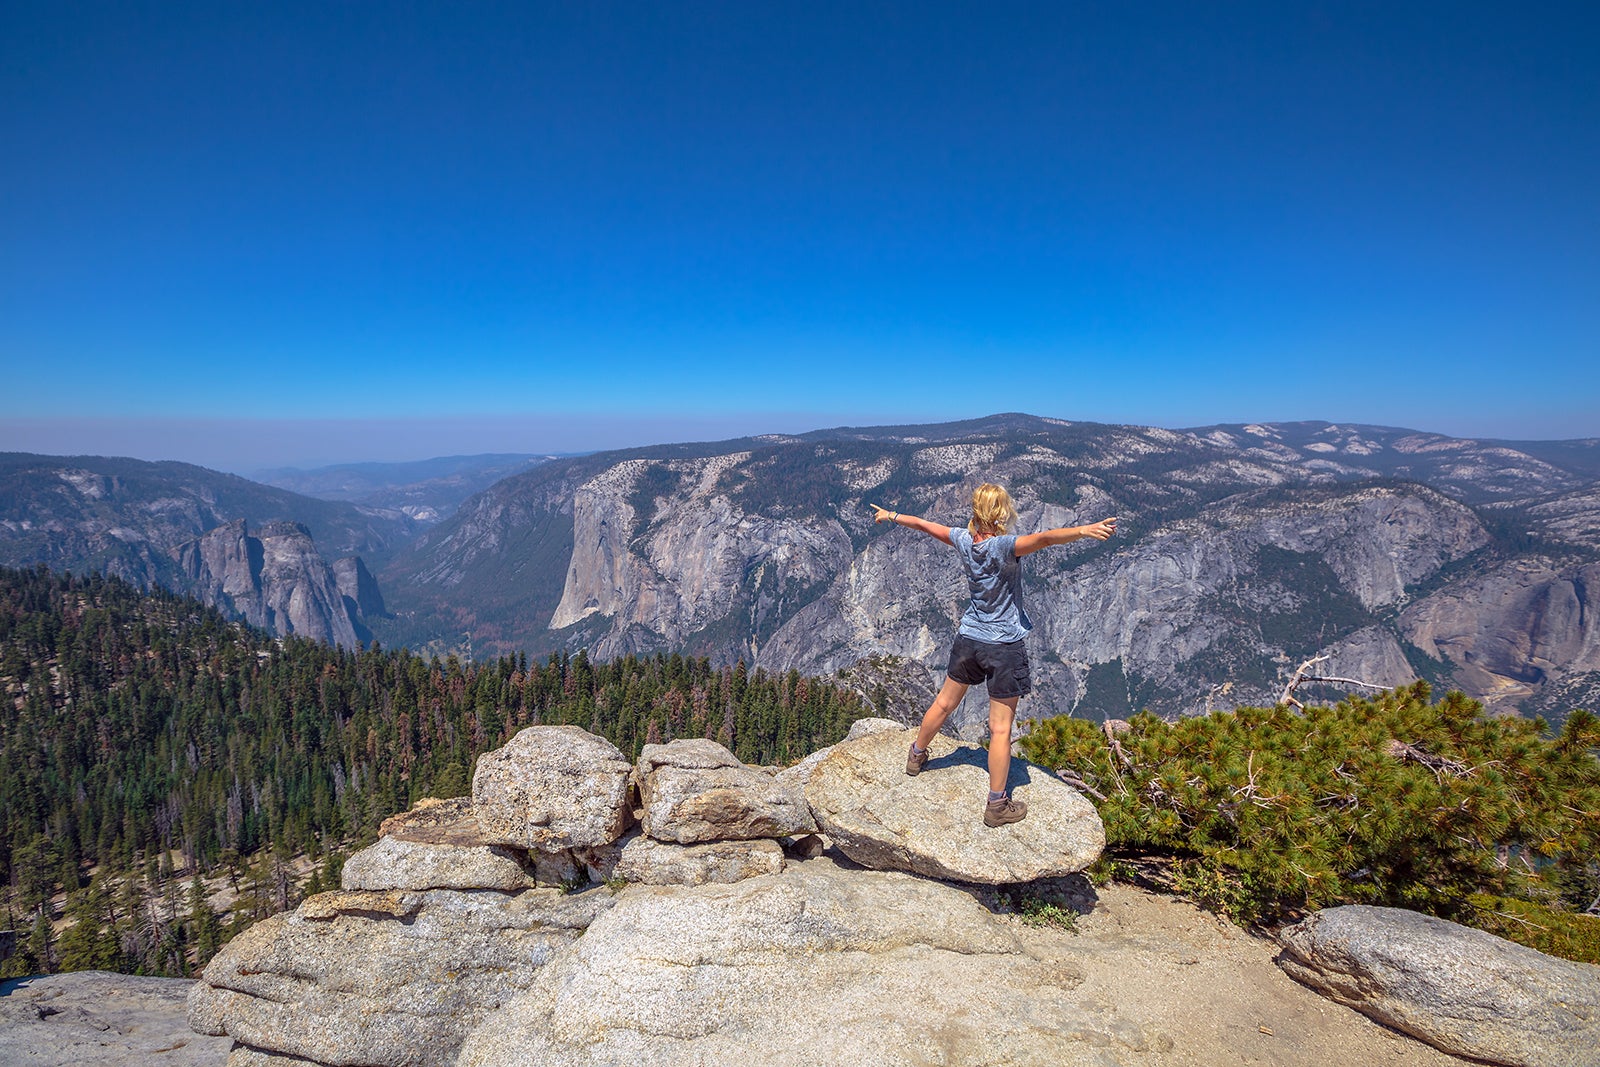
x=364, y=231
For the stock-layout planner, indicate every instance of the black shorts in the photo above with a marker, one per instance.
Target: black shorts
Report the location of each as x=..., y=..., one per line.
x=1004, y=667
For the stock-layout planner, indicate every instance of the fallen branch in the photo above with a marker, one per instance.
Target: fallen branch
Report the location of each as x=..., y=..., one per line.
x=1439, y=765
x=1073, y=779
x=1519, y=919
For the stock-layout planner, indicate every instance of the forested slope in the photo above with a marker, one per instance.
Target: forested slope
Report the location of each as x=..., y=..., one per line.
x=147, y=739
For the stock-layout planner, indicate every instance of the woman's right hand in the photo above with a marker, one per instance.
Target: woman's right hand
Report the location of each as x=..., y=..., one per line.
x=881, y=514
x=1101, y=530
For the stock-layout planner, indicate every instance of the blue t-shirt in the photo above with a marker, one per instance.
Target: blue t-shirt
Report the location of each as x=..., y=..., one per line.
x=994, y=578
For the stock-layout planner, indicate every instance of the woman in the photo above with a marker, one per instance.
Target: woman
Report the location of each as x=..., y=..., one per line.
x=989, y=643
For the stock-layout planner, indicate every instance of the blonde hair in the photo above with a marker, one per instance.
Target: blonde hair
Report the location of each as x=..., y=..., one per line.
x=992, y=512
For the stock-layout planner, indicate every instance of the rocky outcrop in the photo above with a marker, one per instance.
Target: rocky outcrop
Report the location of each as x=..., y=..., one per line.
x=932, y=823
x=552, y=788
x=729, y=952
x=693, y=791
x=96, y=1019
x=646, y=861
x=436, y=926
x=274, y=579
x=1459, y=989
x=390, y=979
x=359, y=588
x=817, y=965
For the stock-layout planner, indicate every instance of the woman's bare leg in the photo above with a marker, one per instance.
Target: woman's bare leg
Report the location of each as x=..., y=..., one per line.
x=1002, y=713
x=948, y=700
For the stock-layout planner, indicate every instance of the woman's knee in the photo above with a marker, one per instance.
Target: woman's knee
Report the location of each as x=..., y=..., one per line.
x=1001, y=715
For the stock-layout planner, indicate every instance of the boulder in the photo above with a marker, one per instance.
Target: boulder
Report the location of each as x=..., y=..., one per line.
x=694, y=790
x=797, y=776
x=1461, y=990
x=932, y=823
x=552, y=788
x=873, y=725
x=432, y=821
x=394, y=863
x=650, y=862
x=385, y=979
x=817, y=965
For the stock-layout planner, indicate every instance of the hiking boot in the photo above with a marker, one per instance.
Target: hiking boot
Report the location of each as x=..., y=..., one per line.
x=999, y=812
x=915, y=760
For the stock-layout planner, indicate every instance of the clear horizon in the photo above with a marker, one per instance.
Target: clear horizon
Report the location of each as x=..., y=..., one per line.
x=237, y=446
x=518, y=227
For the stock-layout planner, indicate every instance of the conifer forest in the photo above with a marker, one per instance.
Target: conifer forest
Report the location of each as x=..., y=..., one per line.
x=168, y=777
x=156, y=757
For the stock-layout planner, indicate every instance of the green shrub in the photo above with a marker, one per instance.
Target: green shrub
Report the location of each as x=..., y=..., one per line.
x=1269, y=812
x=1559, y=933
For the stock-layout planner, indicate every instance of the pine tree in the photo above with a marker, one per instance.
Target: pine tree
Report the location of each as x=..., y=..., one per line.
x=1267, y=812
x=153, y=727
x=205, y=929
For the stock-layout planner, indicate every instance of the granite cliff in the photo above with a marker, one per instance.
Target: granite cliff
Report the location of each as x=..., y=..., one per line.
x=1242, y=551
x=276, y=579
x=248, y=549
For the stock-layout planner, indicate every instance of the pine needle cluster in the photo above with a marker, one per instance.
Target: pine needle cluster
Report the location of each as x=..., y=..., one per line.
x=1267, y=813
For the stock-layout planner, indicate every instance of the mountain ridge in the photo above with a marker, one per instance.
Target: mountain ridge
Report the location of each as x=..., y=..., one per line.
x=761, y=548
x=724, y=544
x=165, y=524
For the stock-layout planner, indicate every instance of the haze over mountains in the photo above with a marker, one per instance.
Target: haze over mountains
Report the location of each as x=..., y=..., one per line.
x=1242, y=550
x=427, y=490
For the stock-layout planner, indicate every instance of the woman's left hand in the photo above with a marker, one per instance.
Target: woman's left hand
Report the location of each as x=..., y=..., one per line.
x=881, y=514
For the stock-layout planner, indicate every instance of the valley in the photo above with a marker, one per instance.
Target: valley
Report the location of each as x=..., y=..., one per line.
x=1243, y=550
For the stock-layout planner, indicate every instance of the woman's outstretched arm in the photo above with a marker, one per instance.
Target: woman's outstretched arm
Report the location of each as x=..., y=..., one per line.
x=1044, y=539
x=932, y=529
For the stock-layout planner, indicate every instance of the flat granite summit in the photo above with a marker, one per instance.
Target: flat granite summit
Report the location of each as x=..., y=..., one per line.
x=98, y=1019
x=1143, y=980
x=932, y=824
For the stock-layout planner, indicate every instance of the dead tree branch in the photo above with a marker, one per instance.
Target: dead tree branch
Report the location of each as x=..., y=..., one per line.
x=1073, y=779
x=1439, y=765
x=1300, y=677
x=1111, y=728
